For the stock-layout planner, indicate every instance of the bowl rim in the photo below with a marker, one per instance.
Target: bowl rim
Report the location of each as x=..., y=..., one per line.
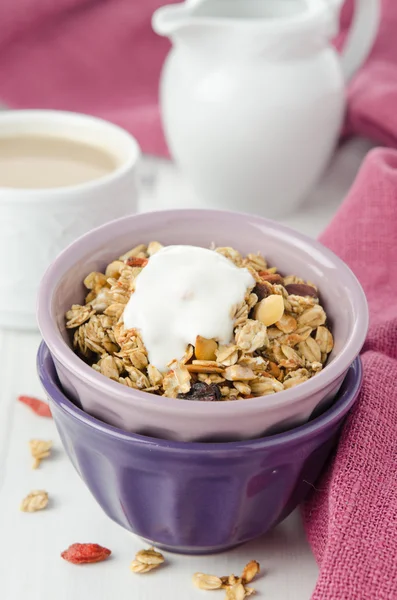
x=62, y=352
x=345, y=400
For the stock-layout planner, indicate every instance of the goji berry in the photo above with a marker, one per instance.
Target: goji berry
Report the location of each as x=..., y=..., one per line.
x=134, y=261
x=79, y=554
x=38, y=406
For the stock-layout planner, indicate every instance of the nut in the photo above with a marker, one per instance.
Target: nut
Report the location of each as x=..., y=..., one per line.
x=205, y=349
x=301, y=289
x=269, y=310
x=273, y=278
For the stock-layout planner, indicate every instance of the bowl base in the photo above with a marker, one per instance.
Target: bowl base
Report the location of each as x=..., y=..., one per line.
x=189, y=550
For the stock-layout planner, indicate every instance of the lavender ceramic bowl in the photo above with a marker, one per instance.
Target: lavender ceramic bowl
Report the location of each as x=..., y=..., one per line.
x=170, y=418
x=189, y=497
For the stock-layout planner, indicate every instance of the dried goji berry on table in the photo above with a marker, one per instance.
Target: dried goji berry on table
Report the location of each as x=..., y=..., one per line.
x=79, y=554
x=38, y=406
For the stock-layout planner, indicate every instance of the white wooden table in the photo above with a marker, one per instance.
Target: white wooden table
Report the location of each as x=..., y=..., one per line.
x=30, y=544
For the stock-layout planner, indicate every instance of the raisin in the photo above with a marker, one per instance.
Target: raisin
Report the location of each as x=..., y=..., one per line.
x=38, y=406
x=261, y=290
x=202, y=391
x=301, y=289
x=79, y=554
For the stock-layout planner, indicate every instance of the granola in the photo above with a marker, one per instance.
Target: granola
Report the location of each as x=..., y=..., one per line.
x=36, y=500
x=281, y=337
x=236, y=587
x=146, y=560
x=39, y=449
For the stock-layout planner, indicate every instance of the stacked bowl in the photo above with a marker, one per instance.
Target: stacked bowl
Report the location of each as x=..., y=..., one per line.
x=225, y=472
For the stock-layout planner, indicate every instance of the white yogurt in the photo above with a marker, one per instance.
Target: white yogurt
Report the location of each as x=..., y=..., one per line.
x=183, y=292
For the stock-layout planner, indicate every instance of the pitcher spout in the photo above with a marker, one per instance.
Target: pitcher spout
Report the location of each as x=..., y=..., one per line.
x=168, y=20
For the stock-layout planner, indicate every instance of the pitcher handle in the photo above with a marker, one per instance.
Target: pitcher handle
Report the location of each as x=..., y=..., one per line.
x=361, y=36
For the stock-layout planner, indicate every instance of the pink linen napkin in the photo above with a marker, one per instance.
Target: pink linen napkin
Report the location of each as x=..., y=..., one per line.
x=351, y=518
x=103, y=58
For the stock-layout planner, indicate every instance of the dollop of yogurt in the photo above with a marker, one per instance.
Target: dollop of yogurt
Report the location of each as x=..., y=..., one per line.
x=183, y=292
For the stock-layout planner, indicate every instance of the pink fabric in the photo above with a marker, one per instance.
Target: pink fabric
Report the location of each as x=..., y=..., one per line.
x=101, y=57
x=351, y=519
x=93, y=56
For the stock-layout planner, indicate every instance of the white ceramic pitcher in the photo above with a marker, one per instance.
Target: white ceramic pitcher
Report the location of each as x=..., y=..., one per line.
x=252, y=95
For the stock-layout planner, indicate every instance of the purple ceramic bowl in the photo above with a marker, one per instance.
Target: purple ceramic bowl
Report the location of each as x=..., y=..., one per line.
x=169, y=418
x=190, y=497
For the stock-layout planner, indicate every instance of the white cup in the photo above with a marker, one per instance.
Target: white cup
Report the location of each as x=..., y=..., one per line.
x=36, y=224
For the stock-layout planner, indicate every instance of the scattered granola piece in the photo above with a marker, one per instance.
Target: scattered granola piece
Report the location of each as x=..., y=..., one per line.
x=251, y=570
x=146, y=560
x=229, y=581
x=235, y=592
x=38, y=406
x=249, y=590
x=36, y=500
x=39, y=449
x=207, y=582
x=79, y=554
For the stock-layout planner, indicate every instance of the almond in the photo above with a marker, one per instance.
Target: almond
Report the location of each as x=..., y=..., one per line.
x=301, y=289
x=269, y=310
x=205, y=349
